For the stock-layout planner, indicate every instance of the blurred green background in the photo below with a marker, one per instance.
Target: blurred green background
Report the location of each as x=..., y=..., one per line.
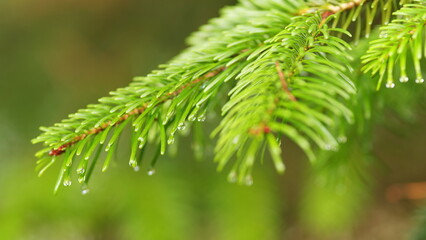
x=58, y=56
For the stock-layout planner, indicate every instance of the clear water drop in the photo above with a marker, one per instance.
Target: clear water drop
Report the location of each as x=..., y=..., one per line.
x=390, y=85
x=81, y=179
x=171, y=140
x=236, y=139
x=67, y=183
x=420, y=80
x=202, y=118
x=181, y=126
x=248, y=181
x=403, y=79
x=85, y=190
x=141, y=139
x=80, y=170
x=383, y=35
x=232, y=177
x=137, y=169
x=151, y=172
x=342, y=139
x=192, y=118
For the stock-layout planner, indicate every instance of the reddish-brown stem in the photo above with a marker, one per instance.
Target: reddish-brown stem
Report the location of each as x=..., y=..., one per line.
x=284, y=84
x=333, y=9
x=60, y=150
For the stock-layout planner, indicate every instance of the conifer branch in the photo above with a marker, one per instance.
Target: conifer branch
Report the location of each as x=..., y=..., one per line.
x=403, y=35
x=286, y=64
x=137, y=111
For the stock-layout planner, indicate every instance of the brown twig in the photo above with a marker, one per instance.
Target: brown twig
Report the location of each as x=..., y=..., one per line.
x=60, y=150
x=333, y=9
x=284, y=82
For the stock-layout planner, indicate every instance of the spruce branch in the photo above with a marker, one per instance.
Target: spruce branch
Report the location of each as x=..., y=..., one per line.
x=403, y=35
x=286, y=64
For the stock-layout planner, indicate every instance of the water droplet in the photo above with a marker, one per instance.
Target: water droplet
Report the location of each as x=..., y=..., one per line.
x=181, y=126
x=151, y=172
x=420, y=80
x=136, y=169
x=342, y=139
x=67, y=183
x=202, y=118
x=248, y=181
x=81, y=179
x=192, y=118
x=133, y=163
x=80, y=171
x=232, y=177
x=85, y=190
x=383, y=35
x=236, y=139
x=171, y=140
x=390, y=85
x=141, y=139
x=403, y=79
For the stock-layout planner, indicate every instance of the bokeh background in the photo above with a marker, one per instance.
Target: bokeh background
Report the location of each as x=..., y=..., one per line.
x=58, y=56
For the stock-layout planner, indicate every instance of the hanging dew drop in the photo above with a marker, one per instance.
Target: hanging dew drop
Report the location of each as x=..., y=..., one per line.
x=383, y=35
x=136, y=169
x=390, y=85
x=67, y=183
x=248, y=181
x=236, y=139
x=181, y=127
x=85, y=190
x=202, y=118
x=403, y=79
x=420, y=80
x=81, y=179
x=342, y=139
x=133, y=163
x=171, y=140
x=232, y=177
x=151, y=172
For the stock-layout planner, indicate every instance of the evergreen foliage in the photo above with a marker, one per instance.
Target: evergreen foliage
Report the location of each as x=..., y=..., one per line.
x=283, y=66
